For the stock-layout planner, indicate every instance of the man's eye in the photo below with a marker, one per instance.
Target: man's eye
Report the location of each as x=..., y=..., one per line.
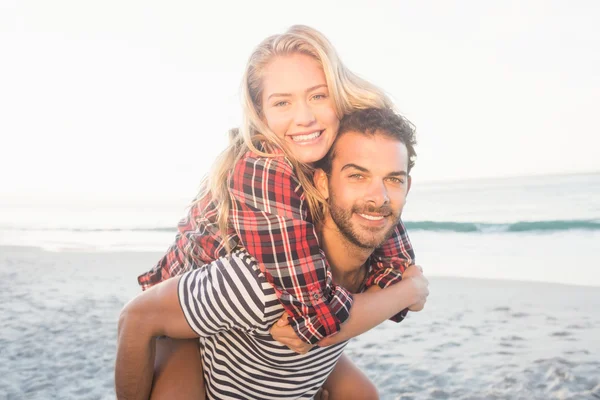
x=355, y=176
x=398, y=181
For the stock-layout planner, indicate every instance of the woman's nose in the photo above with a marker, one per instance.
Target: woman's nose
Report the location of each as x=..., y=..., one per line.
x=304, y=114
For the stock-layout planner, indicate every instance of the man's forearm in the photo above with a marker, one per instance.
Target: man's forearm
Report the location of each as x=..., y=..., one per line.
x=135, y=359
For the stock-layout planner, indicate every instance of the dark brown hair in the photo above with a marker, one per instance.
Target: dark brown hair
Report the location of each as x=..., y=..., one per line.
x=372, y=121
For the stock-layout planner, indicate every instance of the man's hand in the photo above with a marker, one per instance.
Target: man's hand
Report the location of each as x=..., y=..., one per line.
x=421, y=285
x=285, y=334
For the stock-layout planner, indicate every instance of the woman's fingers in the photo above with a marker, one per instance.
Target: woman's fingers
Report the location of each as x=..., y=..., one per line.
x=288, y=337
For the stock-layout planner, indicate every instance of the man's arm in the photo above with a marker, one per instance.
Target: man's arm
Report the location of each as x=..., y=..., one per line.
x=155, y=312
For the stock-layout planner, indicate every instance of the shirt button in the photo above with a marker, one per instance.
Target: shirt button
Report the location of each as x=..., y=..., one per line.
x=316, y=296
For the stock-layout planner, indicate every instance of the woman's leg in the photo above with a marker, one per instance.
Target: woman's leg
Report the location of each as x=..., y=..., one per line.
x=177, y=370
x=348, y=382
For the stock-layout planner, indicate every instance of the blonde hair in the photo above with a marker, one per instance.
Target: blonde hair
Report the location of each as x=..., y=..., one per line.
x=348, y=92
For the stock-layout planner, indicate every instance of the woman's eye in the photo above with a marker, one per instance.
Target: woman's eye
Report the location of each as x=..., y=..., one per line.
x=281, y=104
x=319, y=96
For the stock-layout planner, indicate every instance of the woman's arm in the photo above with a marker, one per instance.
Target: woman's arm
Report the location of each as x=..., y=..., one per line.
x=198, y=242
x=270, y=217
x=370, y=309
x=377, y=305
x=389, y=261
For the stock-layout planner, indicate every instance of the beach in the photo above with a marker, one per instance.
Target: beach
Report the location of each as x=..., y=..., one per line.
x=476, y=338
x=115, y=115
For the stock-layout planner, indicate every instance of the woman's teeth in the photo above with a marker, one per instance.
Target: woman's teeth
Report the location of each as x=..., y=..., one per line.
x=304, y=138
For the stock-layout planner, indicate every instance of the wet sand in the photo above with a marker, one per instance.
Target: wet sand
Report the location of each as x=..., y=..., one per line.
x=476, y=339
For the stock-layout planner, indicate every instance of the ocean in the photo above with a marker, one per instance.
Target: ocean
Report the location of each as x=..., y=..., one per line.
x=544, y=228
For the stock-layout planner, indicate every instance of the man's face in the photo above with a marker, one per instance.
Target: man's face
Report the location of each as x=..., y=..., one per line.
x=367, y=188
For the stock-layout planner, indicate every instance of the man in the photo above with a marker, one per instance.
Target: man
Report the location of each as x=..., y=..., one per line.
x=230, y=306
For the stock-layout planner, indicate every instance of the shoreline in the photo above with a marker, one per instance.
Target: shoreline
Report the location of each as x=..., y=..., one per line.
x=158, y=254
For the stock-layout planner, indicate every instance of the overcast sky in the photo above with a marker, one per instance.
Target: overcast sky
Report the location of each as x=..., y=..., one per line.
x=133, y=98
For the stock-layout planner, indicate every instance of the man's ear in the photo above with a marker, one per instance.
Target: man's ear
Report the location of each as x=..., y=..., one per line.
x=321, y=181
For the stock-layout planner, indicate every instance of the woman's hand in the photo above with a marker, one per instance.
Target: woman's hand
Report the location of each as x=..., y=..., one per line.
x=420, y=285
x=285, y=334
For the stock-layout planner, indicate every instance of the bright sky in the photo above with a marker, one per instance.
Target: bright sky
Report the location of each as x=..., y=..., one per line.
x=125, y=99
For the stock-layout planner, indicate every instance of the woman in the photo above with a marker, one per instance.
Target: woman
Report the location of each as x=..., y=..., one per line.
x=260, y=195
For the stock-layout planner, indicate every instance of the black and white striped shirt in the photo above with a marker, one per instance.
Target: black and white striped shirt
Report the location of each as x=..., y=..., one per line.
x=231, y=306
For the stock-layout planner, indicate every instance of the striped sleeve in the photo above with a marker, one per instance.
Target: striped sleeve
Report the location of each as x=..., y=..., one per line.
x=221, y=296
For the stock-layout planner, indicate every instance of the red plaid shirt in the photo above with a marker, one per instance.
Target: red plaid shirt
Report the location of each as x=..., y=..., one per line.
x=269, y=217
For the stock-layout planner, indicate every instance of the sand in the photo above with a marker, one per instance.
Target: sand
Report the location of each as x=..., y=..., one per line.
x=476, y=339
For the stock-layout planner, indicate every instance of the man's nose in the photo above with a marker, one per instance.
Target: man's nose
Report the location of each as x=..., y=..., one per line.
x=304, y=114
x=377, y=193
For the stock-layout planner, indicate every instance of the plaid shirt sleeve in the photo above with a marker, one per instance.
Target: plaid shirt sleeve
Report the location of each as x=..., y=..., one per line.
x=197, y=242
x=269, y=214
x=389, y=262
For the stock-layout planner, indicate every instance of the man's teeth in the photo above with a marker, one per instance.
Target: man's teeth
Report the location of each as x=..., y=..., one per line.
x=372, y=217
x=303, y=138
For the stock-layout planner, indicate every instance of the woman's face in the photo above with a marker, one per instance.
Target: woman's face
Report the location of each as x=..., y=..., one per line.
x=297, y=106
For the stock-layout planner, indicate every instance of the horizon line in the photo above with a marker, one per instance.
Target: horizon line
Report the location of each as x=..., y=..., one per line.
x=530, y=175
